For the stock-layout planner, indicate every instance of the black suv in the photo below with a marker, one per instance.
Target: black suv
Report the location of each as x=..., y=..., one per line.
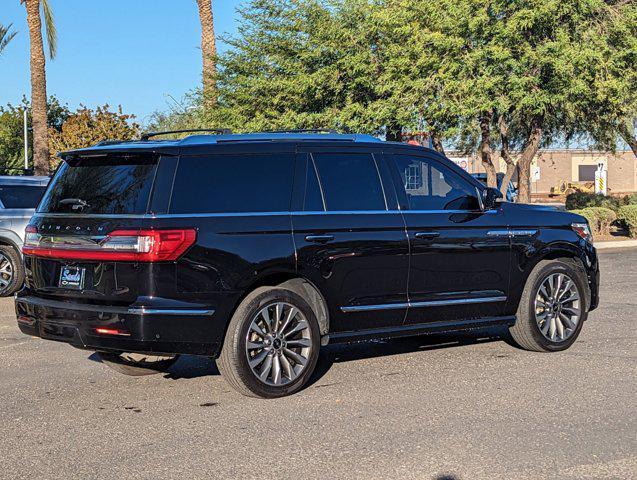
x=260, y=248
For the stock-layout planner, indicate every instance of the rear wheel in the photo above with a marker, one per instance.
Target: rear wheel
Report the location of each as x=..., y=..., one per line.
x=552, y=309
x=137, y=364
x=272, y=344
x=11, y=271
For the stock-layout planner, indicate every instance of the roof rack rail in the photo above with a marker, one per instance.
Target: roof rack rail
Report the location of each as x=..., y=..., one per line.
x=302, y=130
x=218, y=131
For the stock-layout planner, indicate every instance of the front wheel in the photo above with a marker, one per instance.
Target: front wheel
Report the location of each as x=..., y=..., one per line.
x=272, y=344
x=552, y=309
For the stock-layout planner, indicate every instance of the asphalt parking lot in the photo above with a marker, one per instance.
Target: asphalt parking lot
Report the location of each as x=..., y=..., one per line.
x=466, y=406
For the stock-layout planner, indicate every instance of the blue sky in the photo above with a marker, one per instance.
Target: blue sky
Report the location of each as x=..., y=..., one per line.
x=136, y=53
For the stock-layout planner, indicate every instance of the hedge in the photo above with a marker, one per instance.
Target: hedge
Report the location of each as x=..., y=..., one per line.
x=580, y=200
x=628, y=217
x=599, y=219
x=630, y=199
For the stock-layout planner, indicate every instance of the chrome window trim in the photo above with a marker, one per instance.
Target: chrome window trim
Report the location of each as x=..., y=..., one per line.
x=257, y=214
x=431, y=303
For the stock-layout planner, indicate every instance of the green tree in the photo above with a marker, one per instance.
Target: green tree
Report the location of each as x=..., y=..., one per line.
x=12, y=131
x=5, y=36
x=303, y=64
x=86, y=127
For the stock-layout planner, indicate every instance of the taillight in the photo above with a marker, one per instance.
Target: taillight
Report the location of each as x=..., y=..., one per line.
x=120, y=245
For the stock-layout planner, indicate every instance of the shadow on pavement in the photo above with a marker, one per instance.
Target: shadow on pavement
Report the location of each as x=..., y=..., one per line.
x=381, y=348
x=189, y=366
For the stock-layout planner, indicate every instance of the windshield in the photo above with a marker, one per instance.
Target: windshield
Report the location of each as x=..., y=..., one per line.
x=101, y=186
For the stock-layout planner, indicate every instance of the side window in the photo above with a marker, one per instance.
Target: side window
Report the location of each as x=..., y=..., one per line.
x=350, y=182
x=21, y=196
x=233, y=184
x=430, y=186
x=313, y=201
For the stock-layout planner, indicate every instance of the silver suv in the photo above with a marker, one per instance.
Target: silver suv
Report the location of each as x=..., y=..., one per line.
x=18, y=198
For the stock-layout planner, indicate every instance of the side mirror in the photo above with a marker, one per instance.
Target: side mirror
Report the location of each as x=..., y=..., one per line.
x=489, y=198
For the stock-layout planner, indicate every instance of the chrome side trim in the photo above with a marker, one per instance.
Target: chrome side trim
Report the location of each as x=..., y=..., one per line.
x=368, y=308
x=459, y=301
x=431, y=303
x=523, y=233
x=168, y=311
x=498, y=233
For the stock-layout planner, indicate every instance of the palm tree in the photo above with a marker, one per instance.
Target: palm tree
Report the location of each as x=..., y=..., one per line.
x=5, y=36
x=38, y=78
x=208, y=52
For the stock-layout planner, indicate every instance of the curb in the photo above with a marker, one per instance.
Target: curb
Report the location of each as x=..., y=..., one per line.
x=617, y=244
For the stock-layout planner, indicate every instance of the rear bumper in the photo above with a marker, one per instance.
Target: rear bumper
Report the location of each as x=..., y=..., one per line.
x=143, y=329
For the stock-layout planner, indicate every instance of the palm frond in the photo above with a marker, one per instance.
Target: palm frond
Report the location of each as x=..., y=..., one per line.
x=51, y=31
x=5, y=36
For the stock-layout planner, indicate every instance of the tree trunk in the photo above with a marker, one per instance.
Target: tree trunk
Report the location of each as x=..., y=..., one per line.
x=436, y=142
x=505, y=153
x=485, y=150
x=524, y=164
x=41, y=158
x=208, y=52
x=629, y=137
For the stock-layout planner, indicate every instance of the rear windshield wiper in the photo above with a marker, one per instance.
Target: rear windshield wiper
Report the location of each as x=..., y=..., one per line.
x=75, y=202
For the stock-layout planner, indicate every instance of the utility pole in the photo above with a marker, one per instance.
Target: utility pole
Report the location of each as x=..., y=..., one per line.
x=26, y=142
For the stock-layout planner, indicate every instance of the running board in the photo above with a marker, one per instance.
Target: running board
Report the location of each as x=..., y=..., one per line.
x=417, y=329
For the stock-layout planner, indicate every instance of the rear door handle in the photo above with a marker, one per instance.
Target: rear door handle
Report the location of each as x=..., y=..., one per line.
x=319, y=238
x=426, y=235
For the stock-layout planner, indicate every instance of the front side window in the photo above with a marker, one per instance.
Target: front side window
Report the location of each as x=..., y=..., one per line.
x=350, y=182
x=430, y=186
x=233, y=184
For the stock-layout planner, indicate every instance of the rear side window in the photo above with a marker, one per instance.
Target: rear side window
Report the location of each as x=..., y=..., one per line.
x=350, y=182
x=233, y=184
x=21, y=196
x=101, y=186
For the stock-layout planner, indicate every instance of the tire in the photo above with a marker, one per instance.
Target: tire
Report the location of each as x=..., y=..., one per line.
x=534, y=318
x=278, y=368
x=11, y=271
x=137, y=364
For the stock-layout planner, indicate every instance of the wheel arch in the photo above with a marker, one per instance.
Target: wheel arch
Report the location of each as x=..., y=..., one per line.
x=299, y=285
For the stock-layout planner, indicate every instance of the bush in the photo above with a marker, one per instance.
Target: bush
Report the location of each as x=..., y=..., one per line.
x=580, y=200
x=628, y=217
x=599, y=219
x=630, y=199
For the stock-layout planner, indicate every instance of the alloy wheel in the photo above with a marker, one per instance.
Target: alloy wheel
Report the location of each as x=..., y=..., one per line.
x=558, y=307
x=278, y=344
x=6, y=272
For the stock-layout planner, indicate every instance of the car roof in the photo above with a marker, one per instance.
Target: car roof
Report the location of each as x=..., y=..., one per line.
x=175, y=146
x=23, y=180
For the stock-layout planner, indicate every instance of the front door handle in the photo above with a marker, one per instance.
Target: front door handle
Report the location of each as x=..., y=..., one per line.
x=426, y=235
x=319, y=238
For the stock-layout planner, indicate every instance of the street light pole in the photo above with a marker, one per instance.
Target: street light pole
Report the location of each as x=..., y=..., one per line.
x=26, y=142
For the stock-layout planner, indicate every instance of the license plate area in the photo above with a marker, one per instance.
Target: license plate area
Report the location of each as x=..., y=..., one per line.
x=72, y=277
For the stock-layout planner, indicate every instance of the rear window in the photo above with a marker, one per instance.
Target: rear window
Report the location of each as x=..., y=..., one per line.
x=21, y=196
x=233, y=184
x=101, y=186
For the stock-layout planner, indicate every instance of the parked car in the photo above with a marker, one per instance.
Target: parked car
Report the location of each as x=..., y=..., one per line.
x=512, y=192
x=259, y=249
x=18, y=198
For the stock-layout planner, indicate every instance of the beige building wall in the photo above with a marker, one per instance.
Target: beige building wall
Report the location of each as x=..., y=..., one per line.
x=552, y=166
